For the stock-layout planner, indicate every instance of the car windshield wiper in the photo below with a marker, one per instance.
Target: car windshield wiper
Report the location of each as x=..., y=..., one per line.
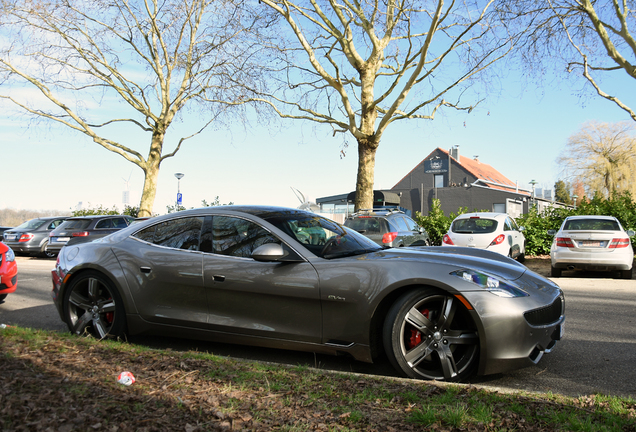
x=464, y=231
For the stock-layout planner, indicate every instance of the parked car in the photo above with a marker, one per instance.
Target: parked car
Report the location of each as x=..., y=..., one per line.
x=388, y=227
x=497, y=232
x=597, y=243
x=8, y=271
x=2, y=230
x=32, y=236
x=81, y=229
x=246, y=275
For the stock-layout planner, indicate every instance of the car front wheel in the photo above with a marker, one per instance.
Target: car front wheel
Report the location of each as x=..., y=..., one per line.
x=430, y=335
x=93, y=306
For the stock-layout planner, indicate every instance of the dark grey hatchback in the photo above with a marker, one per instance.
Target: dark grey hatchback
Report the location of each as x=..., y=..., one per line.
x=388, y=227
x=83, y=229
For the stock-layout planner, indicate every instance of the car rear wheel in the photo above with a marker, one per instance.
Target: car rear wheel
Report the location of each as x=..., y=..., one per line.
x=46, y=254
x=555, y=272
x=93, y=306
x=626, y=274
x=430, y=335
x=2, y=297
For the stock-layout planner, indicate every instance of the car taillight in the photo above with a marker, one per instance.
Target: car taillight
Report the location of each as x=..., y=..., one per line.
x=498, y=240
x=25, y=237
x=447, y=240
x=80, y=234
x=618, y=243
x=389, y=237
x=564, y=242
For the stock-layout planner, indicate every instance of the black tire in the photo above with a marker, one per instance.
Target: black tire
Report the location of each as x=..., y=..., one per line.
x=626, y=274
x=2, y=297
x=429, y=334
x=555, y=272
x=46, y=254
x=93, y=306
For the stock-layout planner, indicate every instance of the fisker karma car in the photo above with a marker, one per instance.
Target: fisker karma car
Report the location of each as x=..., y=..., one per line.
x=292, y=279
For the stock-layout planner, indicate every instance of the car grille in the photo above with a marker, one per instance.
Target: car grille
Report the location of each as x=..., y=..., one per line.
x=546, y=315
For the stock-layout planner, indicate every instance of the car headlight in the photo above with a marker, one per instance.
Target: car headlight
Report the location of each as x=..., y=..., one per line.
x=490, y=283
x=9, y=255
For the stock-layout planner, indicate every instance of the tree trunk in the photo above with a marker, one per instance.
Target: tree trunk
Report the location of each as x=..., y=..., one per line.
x=151, y=174
x=366, y=169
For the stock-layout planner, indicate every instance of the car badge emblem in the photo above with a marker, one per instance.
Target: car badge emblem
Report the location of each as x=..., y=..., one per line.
x=470, y=239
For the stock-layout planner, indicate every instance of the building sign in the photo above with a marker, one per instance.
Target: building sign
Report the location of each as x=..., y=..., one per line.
x=436, y=165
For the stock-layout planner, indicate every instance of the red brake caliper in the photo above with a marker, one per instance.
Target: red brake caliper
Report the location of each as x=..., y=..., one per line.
x=416, y=336
x=110, y=316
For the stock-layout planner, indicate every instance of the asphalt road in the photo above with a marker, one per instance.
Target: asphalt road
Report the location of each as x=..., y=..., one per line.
x=597, y=355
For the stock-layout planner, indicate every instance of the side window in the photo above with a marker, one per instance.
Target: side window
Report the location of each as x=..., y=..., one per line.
x=413, y=226
x=401, y=223
x=54, y=224
x=238, y=237
x=507, y=226
x=119, y=223
x=147, y=234
x=104, y=223
x=182, y=233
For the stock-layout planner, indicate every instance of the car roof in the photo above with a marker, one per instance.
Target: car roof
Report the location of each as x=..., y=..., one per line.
x=590, y=217
x=95, y=217
x=482, y=215
x=377, y=212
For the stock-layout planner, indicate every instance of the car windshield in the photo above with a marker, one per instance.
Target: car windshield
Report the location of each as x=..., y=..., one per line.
x=78, y=224
x=32, y=224
x=474, y=226
x=323, y=237
x=591, y=225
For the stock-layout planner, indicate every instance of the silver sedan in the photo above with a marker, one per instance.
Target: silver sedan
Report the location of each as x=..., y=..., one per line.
x=291, y=279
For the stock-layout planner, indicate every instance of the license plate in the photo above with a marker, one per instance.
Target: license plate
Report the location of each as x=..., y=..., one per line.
x=591, y=243
x=11, y=237
x=62, y=239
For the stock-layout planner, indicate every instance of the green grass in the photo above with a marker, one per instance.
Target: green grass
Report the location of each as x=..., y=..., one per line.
x=198, y=388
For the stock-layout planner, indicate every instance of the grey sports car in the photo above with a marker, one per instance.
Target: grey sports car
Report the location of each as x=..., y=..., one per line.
x=291, y=279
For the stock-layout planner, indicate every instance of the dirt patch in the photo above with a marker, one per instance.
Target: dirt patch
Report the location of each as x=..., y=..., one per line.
x=539, y=264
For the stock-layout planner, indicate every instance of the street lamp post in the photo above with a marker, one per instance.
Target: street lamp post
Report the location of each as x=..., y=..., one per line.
x=574, y=197
x=533, y=183
x=179, y=176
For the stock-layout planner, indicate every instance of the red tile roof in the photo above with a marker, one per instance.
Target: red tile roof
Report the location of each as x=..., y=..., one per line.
x=490, y=176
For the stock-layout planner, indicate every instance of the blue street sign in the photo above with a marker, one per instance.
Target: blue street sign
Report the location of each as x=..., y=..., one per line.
x=179, y=198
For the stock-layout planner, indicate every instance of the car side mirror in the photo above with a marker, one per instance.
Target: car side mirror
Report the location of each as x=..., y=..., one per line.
x=552, y=232
x=521, y=229
x=631, y=233
x=273, y=252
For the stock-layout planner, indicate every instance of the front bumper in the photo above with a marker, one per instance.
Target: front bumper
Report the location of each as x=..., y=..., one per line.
x=516, y=332
x=9, y=277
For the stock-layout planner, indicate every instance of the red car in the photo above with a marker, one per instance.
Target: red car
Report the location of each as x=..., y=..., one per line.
x=8, y=271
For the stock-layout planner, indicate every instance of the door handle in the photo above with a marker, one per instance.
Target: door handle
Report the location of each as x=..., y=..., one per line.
x=218, y=278
x=145, y=269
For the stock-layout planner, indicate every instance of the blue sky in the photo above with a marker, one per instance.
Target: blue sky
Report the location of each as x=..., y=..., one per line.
x=520, y=132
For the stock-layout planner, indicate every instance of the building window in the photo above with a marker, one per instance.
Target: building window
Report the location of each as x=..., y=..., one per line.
x=499, y=208
x=439, y=180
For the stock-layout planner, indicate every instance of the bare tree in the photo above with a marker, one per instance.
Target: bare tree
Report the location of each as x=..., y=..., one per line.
x=142, y=61
x=603, y=157
x=591, y=37
x=360, y=66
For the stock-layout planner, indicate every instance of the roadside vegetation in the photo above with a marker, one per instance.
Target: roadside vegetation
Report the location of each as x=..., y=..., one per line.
x=61, y=382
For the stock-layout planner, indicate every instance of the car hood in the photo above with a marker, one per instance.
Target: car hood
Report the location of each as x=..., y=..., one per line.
x=460, y=257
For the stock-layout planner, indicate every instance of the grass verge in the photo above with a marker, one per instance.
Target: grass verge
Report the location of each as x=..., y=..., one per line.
x=59, y=382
